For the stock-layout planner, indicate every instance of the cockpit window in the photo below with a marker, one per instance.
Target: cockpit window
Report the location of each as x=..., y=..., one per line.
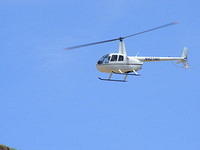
x=121, y=58
x=114, y=58
x=107, y=59
x=104, y=60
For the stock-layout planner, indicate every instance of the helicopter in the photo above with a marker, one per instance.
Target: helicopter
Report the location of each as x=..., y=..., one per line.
x=122, y=64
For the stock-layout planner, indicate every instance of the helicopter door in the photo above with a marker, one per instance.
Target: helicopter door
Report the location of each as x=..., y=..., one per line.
x=117, y=58
x=114, y=58
x=121, y=58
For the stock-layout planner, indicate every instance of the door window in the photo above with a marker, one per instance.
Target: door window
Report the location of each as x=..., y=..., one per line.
x=114, y=58
x=121, y=58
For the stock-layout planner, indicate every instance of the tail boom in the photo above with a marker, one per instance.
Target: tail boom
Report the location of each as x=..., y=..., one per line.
x=150, y=59
x=183, y=59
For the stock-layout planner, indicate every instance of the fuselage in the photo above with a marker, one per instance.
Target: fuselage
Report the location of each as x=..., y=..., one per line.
x=121, y=63
x=118, y=63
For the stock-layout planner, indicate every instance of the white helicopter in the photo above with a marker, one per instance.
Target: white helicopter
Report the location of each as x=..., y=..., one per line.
x=120, y=63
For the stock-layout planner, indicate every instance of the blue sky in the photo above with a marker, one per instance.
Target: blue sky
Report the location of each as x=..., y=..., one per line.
x=51, y=98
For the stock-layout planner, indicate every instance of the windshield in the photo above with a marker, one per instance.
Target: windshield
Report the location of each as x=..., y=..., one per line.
x=104, y=60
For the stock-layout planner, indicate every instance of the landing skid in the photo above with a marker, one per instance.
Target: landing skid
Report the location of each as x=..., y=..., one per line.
x=115, y=80
x=112, y=80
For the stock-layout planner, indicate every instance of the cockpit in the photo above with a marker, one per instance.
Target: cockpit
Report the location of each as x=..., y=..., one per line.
x=110, y=58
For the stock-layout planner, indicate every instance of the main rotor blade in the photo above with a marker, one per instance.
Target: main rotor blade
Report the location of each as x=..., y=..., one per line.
x=121, y=38
x=149, y=30
x=90, y=44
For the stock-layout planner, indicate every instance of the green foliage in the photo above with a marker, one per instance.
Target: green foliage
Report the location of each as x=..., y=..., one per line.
x=3, y=147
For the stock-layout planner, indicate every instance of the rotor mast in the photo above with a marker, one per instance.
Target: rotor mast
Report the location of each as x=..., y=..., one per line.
x=122, y=48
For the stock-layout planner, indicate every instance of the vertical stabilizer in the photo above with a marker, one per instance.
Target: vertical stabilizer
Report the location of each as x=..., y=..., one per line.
x=184, y=56
x=185, y=53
